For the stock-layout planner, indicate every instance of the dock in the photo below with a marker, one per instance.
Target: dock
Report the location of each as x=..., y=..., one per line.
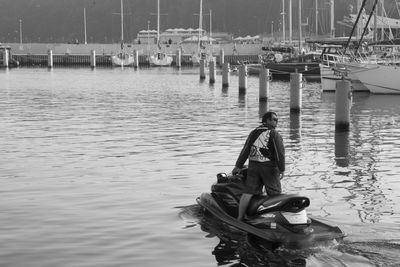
x=78, y=55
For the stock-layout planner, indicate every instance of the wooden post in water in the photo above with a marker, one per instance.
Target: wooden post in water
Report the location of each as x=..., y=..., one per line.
x=343, y=104
x=213, y=71
x=5, y=58
x=225, y=75
x=136, y=59
x=242, y=79
x=178, y=58
x=264, y=84
x=202, y=69
x=295, y=92
x=50, y=58
x=221, y=57
x=342, y=147
x=262, y=108
x=92, y=58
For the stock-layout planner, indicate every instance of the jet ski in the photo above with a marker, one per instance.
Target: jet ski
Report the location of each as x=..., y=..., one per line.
x=281, y=220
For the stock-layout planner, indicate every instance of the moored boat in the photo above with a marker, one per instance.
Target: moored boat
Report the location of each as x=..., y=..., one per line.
x=122, y=58
x=160, y=59
x=333, y=69
x=379, y=79
x=6, y=59
x=308, y=65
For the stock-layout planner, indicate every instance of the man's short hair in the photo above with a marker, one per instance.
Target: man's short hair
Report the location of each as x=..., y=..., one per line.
x=268, y=115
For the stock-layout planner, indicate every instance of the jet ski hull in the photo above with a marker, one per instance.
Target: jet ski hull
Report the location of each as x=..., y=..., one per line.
x=267, y=229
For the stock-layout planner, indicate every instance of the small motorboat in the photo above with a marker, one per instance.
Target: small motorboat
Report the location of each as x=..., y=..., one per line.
x=280, y=220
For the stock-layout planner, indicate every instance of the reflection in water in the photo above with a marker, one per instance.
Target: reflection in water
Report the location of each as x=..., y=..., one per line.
x=236, y=248
x=295, y=127
x=368, y=153
x=242, y=100
x=367, y=198
x=72, y=140
x=224, y=91
x=342, y=149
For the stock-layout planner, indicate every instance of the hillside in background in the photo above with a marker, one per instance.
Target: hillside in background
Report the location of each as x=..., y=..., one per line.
x=62, y=20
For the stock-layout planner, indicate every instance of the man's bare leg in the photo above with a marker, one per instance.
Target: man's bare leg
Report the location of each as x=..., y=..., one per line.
x=243, y=204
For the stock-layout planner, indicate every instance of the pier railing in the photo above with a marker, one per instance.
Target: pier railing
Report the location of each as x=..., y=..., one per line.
x=66, y=60
x=61, y=60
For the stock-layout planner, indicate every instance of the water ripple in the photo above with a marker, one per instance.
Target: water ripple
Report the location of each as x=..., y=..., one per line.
x=93, y=163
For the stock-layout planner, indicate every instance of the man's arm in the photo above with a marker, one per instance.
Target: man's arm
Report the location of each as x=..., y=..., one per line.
x=279, y=151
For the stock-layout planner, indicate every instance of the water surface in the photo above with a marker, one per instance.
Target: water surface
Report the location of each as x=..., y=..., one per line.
x=102, y=168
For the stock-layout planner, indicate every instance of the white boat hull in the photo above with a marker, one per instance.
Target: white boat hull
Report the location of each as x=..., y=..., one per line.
x=379, y=79
x=195, y=60
x=123, y=60
x=329, y=77
x=160, y=60
x=197, y=57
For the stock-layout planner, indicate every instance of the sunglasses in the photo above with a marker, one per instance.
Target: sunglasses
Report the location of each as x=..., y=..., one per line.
x=274, y=119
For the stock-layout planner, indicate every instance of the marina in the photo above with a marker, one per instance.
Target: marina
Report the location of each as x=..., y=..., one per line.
x=79, y=55
x=103, y=167
x=125, y=147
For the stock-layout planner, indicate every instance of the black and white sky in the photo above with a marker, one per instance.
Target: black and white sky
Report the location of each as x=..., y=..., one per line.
x=63, y=20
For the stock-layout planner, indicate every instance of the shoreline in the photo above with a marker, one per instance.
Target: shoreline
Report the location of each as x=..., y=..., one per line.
x=229, y=49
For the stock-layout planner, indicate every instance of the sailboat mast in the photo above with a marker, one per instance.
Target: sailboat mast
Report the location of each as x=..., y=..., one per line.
x=375, y=21
x=316, y=18
x=332, y=19
x=122, y=21
x=158, y=21
x=365, y=27
x=84, y=23
x=200, y=20
x=355, y=25
x=359, y=25
x=210, y=26
x=300, y=26
x=290, y=21
x=283, y=21
x=382, y=15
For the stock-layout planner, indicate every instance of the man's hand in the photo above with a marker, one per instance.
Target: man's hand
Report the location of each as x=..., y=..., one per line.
x=236, y=170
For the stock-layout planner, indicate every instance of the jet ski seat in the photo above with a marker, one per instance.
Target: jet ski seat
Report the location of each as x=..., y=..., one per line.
x=287, y=203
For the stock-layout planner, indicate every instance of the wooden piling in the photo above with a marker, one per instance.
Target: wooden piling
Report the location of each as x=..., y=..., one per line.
x=213, y=71
x=50, y=59
x=178, y=61
x=242, y=79
x=221, y=57
x=342, y=147
x=93, y=58
x=295, y=92
x=202, y=69
x=264, y=85
x=225, y=75
x=5, y=58
x=136, y=59
x=343, y=104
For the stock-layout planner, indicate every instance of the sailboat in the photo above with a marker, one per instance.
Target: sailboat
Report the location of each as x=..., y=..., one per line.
x=378, y=78
x=201, y=54
x=280, y=68
x=160, y=58
x=122, y=58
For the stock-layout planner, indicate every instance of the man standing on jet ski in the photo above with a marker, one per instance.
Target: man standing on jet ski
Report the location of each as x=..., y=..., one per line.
x=266, y=153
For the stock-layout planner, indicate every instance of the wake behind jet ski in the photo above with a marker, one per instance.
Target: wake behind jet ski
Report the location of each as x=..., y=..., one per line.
x=281, y=220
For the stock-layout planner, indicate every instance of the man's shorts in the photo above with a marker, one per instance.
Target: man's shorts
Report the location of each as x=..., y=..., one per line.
x=261, y=174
